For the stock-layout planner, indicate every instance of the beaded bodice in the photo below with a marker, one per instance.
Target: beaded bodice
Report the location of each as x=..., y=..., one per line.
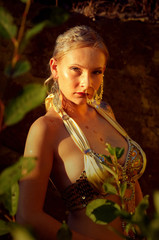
x=134, y=163
x=80, y=193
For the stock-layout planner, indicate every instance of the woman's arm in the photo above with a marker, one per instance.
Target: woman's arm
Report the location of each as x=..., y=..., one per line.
x=33, y=187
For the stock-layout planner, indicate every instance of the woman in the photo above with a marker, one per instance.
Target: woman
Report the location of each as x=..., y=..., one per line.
x=67, y=142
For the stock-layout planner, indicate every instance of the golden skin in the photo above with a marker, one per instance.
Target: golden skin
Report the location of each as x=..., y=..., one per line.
x=59, y=157
x=77, y=71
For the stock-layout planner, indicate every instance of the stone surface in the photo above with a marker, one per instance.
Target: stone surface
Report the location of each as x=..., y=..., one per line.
x=131, y=84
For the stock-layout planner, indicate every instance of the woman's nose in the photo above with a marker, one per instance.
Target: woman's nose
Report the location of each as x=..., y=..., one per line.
x=86, y=81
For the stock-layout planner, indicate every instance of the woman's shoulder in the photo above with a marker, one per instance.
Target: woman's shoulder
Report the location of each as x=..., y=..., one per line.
x=48, y=123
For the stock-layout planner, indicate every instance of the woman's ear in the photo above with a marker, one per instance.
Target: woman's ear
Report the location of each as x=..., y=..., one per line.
x=53, y=68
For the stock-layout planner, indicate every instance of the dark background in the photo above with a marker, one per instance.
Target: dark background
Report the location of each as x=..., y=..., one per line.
x=131, y=79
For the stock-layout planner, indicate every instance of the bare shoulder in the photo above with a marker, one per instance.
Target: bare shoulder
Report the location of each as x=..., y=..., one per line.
x=108, y=109
x=43, y=133
x=47, y=124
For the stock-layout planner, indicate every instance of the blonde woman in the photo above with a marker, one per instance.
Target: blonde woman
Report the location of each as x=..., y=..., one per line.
x=68, y=140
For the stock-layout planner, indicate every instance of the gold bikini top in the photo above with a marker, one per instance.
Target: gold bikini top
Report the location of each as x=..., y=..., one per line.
x=134, y=165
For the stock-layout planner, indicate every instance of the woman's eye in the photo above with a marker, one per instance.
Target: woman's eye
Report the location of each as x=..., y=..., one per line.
x=76, y=69
x=97, y=72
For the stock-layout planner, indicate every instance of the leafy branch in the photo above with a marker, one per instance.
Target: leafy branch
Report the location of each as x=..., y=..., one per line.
x=19, y=38
x=17, y=41
x=33, y=94
x=114, y=185
x=31, y=97
x=103, y=211
x=9, y=193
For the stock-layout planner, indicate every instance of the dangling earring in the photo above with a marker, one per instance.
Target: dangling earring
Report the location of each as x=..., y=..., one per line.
x=98, y=97
x=56, y=93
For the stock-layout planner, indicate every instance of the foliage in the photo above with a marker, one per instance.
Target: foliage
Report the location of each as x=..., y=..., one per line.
x=9, y=191
x=7, y=28
x=17, y=232
x=31, y=96
x=20, y=233
x=55, y=15
x=100, y=211
x=103, y=211
x=22, y=36
x=20, y=68
x=64, y=232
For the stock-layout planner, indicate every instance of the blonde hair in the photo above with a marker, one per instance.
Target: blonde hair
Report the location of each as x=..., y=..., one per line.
x=76, y=37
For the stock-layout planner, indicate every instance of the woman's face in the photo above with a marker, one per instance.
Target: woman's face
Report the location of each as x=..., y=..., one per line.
x=78, y=72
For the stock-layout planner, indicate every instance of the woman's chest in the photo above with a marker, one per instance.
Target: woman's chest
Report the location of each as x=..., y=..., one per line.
x=100, y=132
x=69, y=156
x=68, y=160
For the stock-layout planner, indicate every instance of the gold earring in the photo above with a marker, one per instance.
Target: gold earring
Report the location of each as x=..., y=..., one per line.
x=56, y=96
x=98, y=97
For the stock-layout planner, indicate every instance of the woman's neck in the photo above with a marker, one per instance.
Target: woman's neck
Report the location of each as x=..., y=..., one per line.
x=81, y=112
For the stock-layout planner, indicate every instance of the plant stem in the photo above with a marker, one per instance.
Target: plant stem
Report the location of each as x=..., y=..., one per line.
x=20, y=34
x=21, y=30
x=13, y=219
x=7, y=217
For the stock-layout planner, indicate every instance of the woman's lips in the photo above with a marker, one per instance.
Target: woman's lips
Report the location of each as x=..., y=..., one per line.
x=82, y=94
x=89, y=93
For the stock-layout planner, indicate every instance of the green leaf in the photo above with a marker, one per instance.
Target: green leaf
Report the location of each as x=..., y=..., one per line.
x=24, y=1
x=7, y=28
x=20, y=68
x=119, y=152
x=32, y=96
x=140, y=210
x=108, y=158
x=17, y=232
x=13, y=173
x=10, y=199
x=115, y=151
x=110, y=149
x=14, y=199
x=110, y=170
x=20, y=233
x=129, y=227
x=156, y=201
x=153, y=230
x=124, y=215
x=110, y=188
x=4, y=228
x=54, y=15
x=64, y=233
x=9, y=177
x=32, y=32
x=123, y=189
x=102, y=211
x=27, y=165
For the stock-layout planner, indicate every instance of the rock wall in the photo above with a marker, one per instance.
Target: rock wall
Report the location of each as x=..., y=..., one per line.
x=131, y=85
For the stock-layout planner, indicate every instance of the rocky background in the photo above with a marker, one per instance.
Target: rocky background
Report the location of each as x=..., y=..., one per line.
x=131, y=80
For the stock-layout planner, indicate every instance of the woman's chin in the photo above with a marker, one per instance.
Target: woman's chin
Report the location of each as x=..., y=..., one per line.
x=81, y=101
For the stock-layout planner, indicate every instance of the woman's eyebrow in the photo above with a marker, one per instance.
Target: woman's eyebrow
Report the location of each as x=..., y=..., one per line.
x=78, y=65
